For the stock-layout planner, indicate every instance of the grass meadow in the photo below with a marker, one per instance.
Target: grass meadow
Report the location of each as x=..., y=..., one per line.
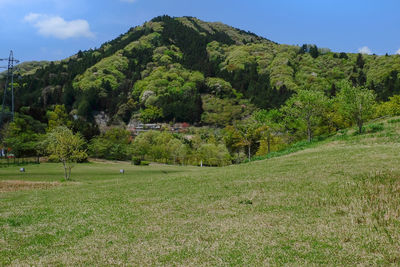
x=336, y=203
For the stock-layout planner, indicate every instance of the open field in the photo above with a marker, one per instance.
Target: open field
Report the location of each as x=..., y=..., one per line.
x=337, y=203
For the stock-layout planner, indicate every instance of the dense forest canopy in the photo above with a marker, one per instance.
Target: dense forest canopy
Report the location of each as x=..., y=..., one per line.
x=207, y=74
x=161, y=71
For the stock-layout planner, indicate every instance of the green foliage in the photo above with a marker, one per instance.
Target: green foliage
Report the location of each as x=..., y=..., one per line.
x=306, y=110
x=165, y=147
x=109, y=70
x=214, y=155
x=158, y=146
x=389, y=108
x=112, y=145
x=298, y=146
x=151, y=114
x=394, y=121
x=22, y=136
x=58, y=117
x=244, y=135
x=221, y=88
x=271, y=123
x=167, y=55
x=67, y=147
x=270, y=144
x=307, y=48
x=188, y=70
x=169, y=93
x=223, y=111
x=136, y=160
x=356, y=103
x=374, y=128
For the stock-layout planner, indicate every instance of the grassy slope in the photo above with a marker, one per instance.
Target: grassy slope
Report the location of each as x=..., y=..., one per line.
x=336, y=204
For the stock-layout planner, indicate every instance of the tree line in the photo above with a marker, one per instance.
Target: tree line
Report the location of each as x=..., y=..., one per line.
x=307, y=114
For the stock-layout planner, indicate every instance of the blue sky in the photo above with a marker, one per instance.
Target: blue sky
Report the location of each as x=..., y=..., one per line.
x=56, y=29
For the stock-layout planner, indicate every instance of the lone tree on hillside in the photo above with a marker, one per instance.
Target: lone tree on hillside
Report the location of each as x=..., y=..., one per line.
x=65, y=146
x=308, y=108
x=356, y=103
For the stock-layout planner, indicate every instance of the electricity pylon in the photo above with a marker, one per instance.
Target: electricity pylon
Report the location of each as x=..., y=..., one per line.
x=9, y=86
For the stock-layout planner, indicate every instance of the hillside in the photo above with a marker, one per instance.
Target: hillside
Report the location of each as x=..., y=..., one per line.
x=187, y=70
x=26, y=68
x=333, y=204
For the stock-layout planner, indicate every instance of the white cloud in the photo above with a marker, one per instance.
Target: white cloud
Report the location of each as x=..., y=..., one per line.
x=58, y=27
x=32, y=17
x=365, y=50
x=398, y=52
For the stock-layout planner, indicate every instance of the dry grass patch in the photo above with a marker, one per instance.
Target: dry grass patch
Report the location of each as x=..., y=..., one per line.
x=15, y=185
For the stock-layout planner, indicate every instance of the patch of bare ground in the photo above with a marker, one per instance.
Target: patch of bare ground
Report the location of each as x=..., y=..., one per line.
x=15, y=185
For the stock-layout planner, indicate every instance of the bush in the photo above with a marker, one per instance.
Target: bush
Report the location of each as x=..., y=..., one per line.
x=394, y=121
x=136, y=161
x=374, y=128
x=112, y=145
x=144, y=163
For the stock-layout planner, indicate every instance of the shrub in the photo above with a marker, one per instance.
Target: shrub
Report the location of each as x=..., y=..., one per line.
x=145, y=163
x=394, y=121
x=374, y=128
x=136, y=161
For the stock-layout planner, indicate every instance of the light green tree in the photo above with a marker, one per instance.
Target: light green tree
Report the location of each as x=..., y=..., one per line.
x=269, y=122
x=22, y=136
x=356, y=103
x=308, y=108
x=214, y=155
x=249, y=132
x=174, y=149
x=58, y=117
x=67, y=147
x=141, y=146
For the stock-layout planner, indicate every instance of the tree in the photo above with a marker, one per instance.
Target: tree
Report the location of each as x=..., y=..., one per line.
x=142, y=144
x=356, y=103
x=58, y=117
x=360, y=61
x=112, y=145
x=214, y=155
x=269, y=121
x=314, y=51
x=232, y=140
x=22, y=136
x=66, y=147
x=343, y=55
x=175, y=149
x=307, y=107
x=249, y=132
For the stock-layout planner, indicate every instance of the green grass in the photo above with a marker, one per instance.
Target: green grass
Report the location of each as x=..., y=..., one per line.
x=335, y=203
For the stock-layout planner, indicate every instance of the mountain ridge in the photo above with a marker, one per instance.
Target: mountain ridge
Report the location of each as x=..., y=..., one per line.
x=185, y=69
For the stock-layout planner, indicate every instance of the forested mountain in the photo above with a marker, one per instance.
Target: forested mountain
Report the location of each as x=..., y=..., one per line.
x=187, y=70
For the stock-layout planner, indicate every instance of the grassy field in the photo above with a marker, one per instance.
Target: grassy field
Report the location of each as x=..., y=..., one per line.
x=336, y=203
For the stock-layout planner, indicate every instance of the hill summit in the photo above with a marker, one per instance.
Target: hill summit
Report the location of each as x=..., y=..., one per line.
x=187, y=70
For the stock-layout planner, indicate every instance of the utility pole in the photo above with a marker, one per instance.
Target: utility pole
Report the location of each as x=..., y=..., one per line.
x=9, y=84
